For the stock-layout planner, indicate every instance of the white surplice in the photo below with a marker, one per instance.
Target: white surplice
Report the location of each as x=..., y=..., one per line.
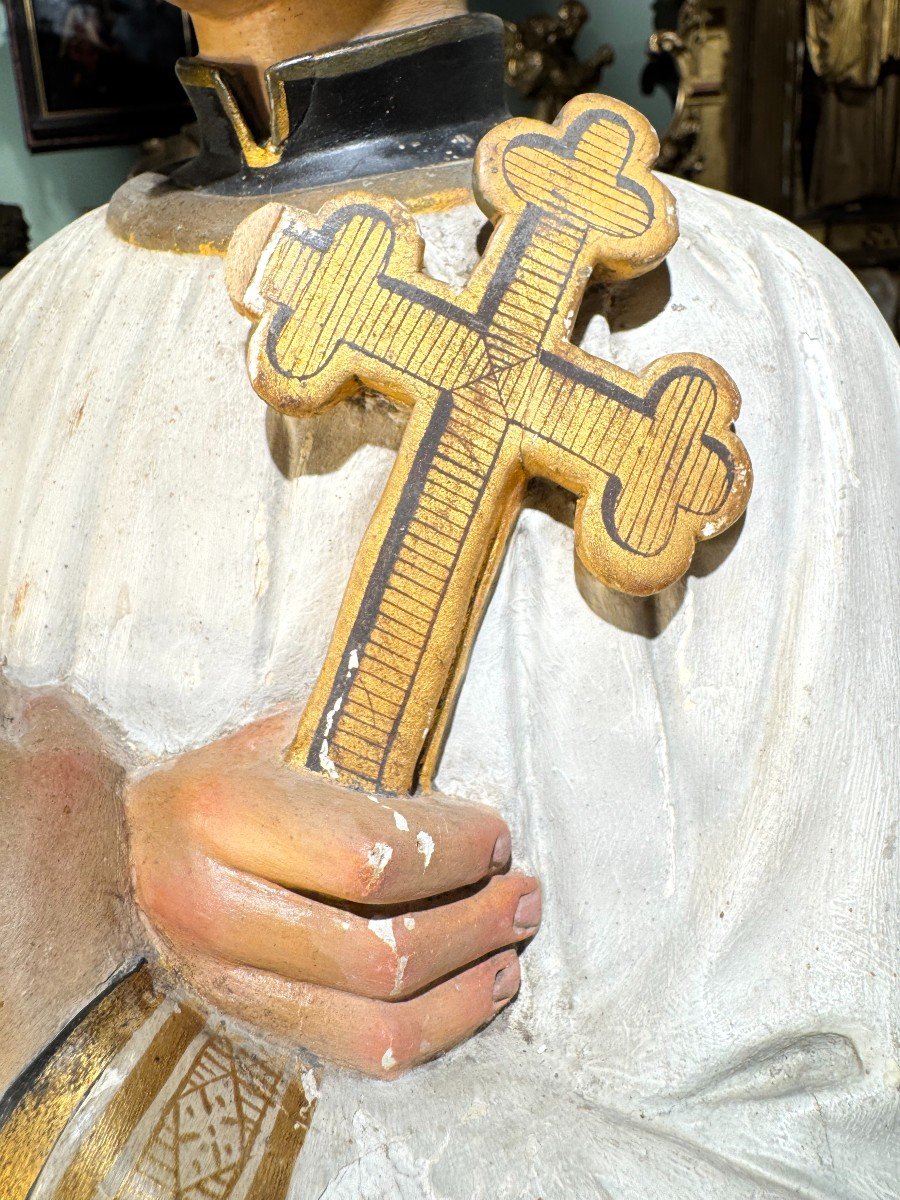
x=706, y=782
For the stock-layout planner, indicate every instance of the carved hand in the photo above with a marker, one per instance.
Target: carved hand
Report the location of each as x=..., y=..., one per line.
x=345, y=922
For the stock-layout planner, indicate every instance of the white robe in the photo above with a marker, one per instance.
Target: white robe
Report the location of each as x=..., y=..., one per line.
x=706, y=783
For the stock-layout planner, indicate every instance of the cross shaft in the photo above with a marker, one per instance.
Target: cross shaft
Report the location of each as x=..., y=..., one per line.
x=498, y=395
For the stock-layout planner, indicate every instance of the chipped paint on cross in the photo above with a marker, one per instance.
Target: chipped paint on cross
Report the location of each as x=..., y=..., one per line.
x=499, y=395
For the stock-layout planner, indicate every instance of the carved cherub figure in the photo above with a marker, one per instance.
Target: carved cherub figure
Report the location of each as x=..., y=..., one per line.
x=542, y=63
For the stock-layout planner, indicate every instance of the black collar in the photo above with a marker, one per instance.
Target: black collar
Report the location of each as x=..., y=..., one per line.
x=414, y=98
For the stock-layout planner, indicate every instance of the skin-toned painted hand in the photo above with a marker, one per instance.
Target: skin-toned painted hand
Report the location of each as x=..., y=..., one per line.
x=375, y=931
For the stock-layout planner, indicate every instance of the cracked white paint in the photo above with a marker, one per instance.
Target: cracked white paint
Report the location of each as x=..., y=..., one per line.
x=398, y=977
x=261, y=566
x=384, y=929
x=684, y=656
x=425, y=846
x=310, y=1084
x=326, y=762
x=379, y=856
x=387, y=1059
x=332, y=713
x=325, y=759
x=401, y=822
x=665, y=778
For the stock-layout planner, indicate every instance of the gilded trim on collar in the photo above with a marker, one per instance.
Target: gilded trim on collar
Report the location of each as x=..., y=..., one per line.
x=418, y=97
x=195, y=73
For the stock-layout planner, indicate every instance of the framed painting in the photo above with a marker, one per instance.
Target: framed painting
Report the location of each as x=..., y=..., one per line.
x=97, y=72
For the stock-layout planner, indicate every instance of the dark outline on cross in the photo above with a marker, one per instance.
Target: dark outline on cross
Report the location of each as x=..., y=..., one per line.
x=498, y=395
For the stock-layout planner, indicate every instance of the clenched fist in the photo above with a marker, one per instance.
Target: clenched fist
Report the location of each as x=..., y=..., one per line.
x=376, y=931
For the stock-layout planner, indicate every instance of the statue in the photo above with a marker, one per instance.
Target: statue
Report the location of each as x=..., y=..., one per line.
x=854, y=49
x=541, y=63
x=689, y=61
x=850, y=41
x=703, y=781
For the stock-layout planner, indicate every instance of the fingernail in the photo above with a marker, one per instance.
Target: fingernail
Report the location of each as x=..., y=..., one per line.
x=502, y=850
x=506, y=982
x=528, y=912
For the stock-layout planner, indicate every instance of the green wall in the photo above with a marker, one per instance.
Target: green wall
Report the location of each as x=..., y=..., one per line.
x=55, y=187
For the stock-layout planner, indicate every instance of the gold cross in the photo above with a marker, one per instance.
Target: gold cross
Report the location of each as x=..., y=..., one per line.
x=498, y=394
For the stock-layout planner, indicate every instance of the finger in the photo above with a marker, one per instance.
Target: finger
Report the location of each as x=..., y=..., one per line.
x=374, y=1036
x=242, y=919
x=308, y=834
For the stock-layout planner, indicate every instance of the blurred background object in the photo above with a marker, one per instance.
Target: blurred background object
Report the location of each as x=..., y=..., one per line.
x=689, y=61
x=13, y=237
x=55, y=187
x=541, y=61
x=160, y=154
x=793, y=104
x=97, y=72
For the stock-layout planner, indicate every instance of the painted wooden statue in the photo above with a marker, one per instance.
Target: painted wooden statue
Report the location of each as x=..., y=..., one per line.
x=311, y=726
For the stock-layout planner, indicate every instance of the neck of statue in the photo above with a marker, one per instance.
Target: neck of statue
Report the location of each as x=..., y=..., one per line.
x=250, y=41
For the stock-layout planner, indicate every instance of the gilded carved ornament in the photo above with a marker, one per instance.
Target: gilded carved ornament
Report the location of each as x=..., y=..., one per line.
x=498, y=394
